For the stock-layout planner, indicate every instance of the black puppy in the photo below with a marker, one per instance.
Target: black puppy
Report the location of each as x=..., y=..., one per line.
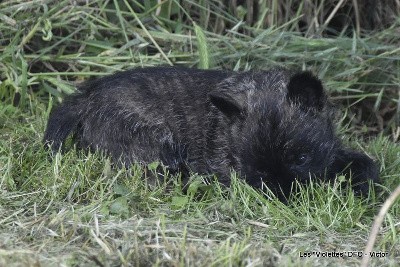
x=271, y=126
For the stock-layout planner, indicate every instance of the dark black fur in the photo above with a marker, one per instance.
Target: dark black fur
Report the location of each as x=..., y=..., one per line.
x=271, y=126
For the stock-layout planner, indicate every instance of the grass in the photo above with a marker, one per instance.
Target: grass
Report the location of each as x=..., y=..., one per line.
x=76, y=209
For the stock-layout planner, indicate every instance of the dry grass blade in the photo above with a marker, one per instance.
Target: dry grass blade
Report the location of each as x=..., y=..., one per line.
x=377, y=223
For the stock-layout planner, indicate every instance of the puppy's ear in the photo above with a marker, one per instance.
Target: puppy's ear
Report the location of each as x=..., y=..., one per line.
x=231, y=104
x=307, y=90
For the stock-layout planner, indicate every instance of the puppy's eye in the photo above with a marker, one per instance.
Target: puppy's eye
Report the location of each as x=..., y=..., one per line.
x=301, y=160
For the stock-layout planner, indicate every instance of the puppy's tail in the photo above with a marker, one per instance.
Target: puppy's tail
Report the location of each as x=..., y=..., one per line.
x=63, y=120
